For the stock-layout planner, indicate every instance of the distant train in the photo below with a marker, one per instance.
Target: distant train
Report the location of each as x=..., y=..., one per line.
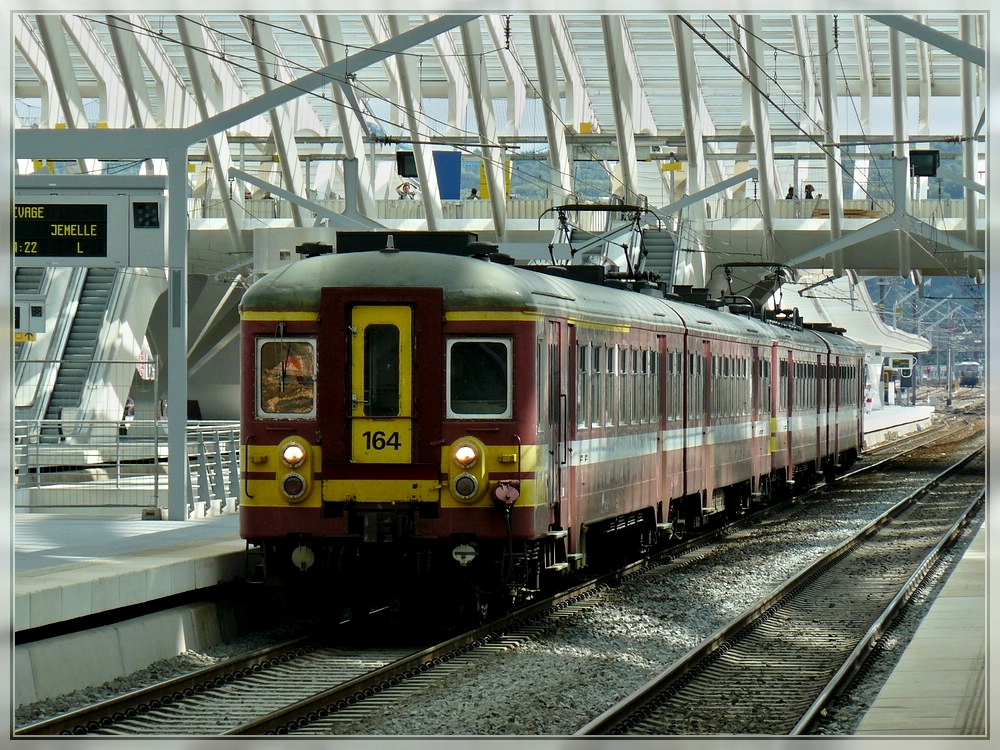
x=968, y=373
x=443, y=425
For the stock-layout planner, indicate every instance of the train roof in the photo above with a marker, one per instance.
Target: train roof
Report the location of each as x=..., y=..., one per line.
x=472, y=283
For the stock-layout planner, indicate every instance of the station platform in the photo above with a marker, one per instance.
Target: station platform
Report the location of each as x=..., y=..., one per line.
x=939, y=685
x=71, y=567
x=892, y=422
x=68, y=567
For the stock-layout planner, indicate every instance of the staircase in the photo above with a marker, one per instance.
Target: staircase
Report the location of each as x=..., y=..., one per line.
x=81, y=345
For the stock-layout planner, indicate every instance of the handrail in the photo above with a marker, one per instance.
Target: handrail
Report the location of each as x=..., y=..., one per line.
x=122, y=464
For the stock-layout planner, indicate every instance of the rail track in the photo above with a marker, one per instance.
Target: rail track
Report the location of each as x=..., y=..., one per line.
x=772, y=670
x=306, y=687
x=213, y=699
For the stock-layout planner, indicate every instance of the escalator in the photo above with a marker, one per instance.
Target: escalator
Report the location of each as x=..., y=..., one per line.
x=80, y=350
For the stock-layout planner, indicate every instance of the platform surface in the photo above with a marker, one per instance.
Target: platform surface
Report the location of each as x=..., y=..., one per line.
x=896, y=416
x=46, y=541
x=67, y=567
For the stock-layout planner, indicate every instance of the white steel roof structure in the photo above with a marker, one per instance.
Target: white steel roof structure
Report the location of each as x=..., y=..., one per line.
x=790, y=95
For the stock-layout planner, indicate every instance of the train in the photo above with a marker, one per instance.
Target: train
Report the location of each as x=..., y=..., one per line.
x=428, y=422
x=968, y=373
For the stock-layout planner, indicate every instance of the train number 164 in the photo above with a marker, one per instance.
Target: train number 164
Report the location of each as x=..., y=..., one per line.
x=379, y=441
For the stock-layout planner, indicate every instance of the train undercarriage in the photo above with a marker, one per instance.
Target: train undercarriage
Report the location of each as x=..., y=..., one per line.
x=464, y=580
x=460, y=580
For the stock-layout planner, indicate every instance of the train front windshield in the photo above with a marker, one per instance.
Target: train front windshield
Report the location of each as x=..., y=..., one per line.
x=286, y=385
x=479, y=383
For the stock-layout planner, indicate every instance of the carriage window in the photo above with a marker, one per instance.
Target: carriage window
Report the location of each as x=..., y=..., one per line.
x=610, y=405
x=696, y=379
x=624, y=384
x=765, y=386
x=783, y=384
x=636, y=387
x=286, y=377
x=673, y=385
x=540, y=385
x=596, y=387
x=479, y=378
x=648, y=385
x=656, y=391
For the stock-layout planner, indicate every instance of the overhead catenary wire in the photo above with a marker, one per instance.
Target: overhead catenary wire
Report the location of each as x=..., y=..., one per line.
x=230, y=53
x=823, y=147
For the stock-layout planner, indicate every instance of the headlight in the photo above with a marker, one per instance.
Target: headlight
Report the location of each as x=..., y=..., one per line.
x=294, y=486
x=466, y=455
x=293, y=454
x=465, y=486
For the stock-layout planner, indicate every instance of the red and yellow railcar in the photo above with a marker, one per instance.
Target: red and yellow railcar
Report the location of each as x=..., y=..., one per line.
x=420, y=421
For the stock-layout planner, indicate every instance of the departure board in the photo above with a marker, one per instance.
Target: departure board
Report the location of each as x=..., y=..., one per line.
x=60, y=230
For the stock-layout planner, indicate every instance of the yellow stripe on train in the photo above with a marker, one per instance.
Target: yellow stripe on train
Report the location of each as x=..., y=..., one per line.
x=271, y=315
x=463, y=315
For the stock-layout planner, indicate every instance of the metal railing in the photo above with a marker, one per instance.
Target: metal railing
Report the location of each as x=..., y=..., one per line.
x=392, y=209
x=62, y=466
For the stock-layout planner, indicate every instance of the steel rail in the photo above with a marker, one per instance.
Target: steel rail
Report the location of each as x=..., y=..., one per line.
x=856, y=659
x=618, y=718
x=108, y=712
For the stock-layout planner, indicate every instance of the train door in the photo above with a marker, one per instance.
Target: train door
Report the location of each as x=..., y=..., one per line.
x=697, y=470
x=760, y=413
x=822, y=421
x=781, y=382
x=381, y=375
x=557, y=422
